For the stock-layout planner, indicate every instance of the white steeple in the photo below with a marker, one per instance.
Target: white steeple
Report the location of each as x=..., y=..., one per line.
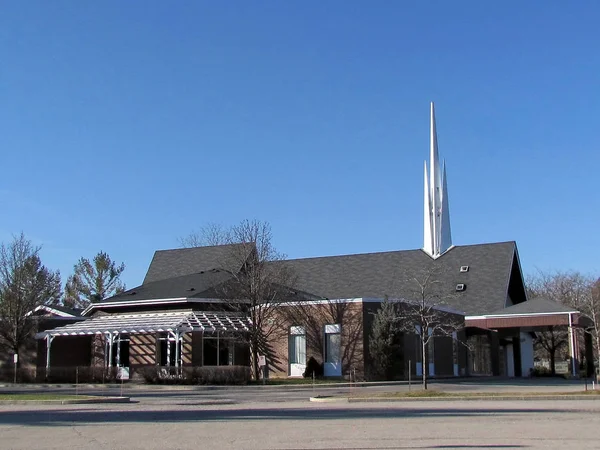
x=437, y=237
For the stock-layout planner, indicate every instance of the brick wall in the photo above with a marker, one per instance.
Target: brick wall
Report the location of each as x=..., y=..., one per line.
x=349, y=315
x=142, y=349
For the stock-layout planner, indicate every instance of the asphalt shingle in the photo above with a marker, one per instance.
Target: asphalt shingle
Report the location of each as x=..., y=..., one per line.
x=185, y=261
x=370, y=275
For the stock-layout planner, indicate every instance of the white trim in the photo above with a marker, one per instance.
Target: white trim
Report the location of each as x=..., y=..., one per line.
x=333, y=329
x=51, y=310
x=367, y=300
x=495, y=316
x=158, y=301
x=297, y=331
x=324, y=301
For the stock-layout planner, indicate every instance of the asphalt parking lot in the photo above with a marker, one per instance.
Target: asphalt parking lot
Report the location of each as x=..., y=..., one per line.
x=304, y=425
x=283, y=418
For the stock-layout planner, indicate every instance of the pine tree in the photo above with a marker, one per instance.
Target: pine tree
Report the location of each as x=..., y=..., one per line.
x=93, y=281
x=385, y=341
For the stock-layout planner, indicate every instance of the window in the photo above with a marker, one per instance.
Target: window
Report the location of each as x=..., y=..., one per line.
x=218, y=351
x=167, y=349
x=297, y=345
x=333, y=343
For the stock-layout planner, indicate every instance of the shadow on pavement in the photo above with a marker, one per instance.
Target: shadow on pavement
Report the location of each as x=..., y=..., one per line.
x=46, y=417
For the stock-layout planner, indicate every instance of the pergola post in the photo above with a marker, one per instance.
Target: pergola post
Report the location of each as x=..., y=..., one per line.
x=218, y=348
x=168, y=351
x=177, y=348
x=118, y=361
x=572, y=346
x=49, y=339
x=110, y=342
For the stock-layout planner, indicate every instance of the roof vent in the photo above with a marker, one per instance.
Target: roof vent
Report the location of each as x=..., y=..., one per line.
x=464, y=268
x=191, y=289
x=461, y=287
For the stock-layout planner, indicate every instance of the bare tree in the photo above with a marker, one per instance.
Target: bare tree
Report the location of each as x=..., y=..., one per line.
x=573, y=289
x=551, y=341
x=24, y=285
x=425, y=312
x=593, y=311
x=258, y=285
x=313, y=317
x=209, y=234
x=93, y=281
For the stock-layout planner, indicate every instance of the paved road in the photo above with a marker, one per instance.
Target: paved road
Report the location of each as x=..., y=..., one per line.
x=304, y=425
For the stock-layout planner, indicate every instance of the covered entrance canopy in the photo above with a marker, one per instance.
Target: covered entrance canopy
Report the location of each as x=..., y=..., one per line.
x=173, y=323
x=533, y=315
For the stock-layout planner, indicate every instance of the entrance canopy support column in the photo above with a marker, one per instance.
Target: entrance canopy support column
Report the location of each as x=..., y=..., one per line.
x=110, y=340
x=118, y=360
x=572, y=346
x=168, y=351
x=178, y=336
x=49, y=339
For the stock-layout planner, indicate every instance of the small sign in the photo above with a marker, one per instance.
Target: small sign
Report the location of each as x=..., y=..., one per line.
x=15, y=358
x=123, y=373
x=262, y=360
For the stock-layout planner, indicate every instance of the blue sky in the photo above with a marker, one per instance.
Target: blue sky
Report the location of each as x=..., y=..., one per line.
x=126, y=125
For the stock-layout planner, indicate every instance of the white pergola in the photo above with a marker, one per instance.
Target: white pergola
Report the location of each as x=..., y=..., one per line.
x=175, y=324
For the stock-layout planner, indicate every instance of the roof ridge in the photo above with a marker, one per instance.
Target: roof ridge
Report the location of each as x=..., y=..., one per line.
x=182, y=249
x=398, y=251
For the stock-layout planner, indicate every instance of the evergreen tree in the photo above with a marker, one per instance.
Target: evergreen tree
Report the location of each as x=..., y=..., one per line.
x=93, y=281
x=385, y=341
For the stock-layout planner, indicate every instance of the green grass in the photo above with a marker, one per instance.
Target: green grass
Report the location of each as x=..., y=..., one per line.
x=433, y=393
x=43, y=397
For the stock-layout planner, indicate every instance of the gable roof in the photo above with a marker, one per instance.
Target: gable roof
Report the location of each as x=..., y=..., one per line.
x=367, y=275
x=537, y=305
x=376, y=275
x=209, y=286
x=57, y=310
x=185, y=261
x=186, y=286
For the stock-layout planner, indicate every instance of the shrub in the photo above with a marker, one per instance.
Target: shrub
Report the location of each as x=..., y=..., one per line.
x=313, y=367
x=224, y=375
x=83, y=374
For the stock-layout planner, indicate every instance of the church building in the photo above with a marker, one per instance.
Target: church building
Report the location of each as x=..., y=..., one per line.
x=177, y=317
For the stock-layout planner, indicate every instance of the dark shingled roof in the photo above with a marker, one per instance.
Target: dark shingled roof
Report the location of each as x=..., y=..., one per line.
x=184, y=261
x=194, y=285
x=367, y=275
x=535, y=306
x=376, y=275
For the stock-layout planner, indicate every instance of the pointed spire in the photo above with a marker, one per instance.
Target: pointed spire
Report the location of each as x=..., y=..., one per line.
x=436, y=232
x=427, y=232
x=445, y=231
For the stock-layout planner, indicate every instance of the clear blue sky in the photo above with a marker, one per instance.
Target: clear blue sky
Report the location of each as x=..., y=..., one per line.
x=125, y=125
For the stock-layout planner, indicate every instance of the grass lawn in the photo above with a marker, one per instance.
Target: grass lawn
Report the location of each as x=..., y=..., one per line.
x=433, y=393
x=295, y=381
x=43, y=397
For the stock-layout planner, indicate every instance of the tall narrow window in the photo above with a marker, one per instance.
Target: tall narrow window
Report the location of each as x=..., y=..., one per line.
x=333, y=343
x=297, y=345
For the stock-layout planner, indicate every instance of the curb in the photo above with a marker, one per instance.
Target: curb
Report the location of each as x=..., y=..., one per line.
x=329, y=399
x=87, y=401
x=454, y=399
